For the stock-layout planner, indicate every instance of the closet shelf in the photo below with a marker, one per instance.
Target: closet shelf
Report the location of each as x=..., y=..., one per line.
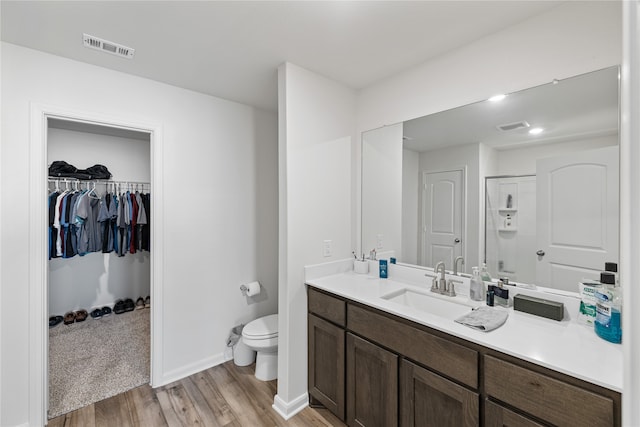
x=507, y=210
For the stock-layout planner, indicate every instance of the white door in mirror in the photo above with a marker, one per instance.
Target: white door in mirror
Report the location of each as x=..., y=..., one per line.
x=577, y=216
x=442, y=206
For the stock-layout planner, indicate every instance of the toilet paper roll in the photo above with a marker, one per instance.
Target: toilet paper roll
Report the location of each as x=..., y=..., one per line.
x=253, y=288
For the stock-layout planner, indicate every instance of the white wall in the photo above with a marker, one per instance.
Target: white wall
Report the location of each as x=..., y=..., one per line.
x=571, y=39
x=98, y=279
x=630, y=208
x=220, y=160
x=316, y=117
x=522, y=161
x=382, y=190
x=410, y=205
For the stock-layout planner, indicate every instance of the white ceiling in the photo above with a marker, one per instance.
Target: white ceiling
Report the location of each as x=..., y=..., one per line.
x=232, y=49
x=582, y=106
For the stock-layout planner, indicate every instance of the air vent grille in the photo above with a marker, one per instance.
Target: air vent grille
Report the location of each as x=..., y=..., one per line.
x=107, y=46
x=513, y=126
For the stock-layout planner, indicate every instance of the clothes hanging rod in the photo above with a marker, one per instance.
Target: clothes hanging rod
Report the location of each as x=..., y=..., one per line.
x=97, y=181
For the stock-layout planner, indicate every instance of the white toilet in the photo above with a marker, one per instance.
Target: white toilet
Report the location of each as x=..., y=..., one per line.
x=261, y=335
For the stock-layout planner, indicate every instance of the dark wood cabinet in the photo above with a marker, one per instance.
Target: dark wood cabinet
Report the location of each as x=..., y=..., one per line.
x=554, y=401
x=373, y=368
x=327, y=365
x=429, y=400
x=372, y=384
x=498, y=416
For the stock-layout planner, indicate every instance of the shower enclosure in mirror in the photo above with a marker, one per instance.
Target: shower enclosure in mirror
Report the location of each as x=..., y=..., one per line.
x=510, y=227
x=423, y=183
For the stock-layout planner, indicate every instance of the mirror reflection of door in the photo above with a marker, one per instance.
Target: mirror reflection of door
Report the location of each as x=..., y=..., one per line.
x=442, y=214
x=577, y=216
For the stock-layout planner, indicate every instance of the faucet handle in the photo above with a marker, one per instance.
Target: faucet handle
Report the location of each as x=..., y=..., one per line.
x=434, y=284
x=451, y=288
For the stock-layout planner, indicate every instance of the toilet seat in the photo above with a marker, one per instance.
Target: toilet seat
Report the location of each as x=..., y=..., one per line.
x=261, y=335
x=263, y=328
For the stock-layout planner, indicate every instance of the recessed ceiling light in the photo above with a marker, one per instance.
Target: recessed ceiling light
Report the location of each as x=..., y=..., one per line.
x=499, y=97
x=535, y=131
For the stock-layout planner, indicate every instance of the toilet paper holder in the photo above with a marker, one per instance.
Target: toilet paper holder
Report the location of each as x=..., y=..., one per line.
x=250, y=289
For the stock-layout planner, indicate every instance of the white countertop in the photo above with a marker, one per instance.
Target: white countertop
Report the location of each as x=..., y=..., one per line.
x=567, y=346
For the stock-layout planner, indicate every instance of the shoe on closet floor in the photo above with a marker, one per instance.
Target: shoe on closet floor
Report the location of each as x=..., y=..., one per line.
x=69, y=318
x=147, y=302
x=55, y=321
x=119, y=307
x=106, y=311
x=139, y=303
x=129, y=305
x=96, y=314
x=81, y=315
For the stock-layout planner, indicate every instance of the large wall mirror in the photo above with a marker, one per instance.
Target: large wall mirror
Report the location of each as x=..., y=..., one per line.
x=526, y=182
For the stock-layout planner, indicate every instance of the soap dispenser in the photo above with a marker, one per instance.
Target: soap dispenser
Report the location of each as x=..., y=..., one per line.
x=476, y=286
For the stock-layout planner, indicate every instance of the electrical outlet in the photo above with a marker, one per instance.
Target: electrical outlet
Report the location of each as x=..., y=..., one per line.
x=327, y=251
x=379, y=244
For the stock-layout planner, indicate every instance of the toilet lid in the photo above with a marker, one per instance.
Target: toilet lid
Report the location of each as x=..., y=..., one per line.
x=263, y=327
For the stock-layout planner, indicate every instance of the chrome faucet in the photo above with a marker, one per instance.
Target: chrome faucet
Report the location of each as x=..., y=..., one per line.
x=455, y=265
x=442, y=285
x=439, y=285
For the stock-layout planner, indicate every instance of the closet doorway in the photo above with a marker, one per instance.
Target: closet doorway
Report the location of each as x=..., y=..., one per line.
x=78, y=363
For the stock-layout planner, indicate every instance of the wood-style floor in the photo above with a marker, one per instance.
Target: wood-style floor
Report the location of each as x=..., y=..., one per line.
x=225, y=395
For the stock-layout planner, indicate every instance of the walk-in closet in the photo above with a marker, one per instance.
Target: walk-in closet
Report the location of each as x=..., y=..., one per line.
x=99, y=281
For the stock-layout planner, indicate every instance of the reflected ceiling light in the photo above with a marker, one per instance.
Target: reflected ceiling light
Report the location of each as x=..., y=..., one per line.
x=535, y=131
x=499, y=97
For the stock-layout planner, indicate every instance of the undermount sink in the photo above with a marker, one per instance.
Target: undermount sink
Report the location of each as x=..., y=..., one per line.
x=443, y=306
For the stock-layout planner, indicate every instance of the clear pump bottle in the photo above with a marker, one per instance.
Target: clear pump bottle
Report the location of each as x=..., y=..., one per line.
x=476, y=286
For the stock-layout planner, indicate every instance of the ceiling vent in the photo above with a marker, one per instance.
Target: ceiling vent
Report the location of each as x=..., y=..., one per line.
x=513, y=126
x=107, y=46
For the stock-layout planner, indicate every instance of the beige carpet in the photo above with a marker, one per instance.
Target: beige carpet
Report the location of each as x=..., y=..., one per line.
x=96, y=359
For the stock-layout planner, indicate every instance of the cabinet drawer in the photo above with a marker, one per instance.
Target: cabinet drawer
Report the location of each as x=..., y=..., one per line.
x=451, y=359
x=331, y=308
x=544, y=397
x=497, y=416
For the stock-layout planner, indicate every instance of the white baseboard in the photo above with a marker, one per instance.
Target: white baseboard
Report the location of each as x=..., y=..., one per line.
x=288, y=410
x=193, y=368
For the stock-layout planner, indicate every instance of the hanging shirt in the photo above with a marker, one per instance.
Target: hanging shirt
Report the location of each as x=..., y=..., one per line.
x=146, y=229
x=52, y=234
x=141, y=220
x=56, y=223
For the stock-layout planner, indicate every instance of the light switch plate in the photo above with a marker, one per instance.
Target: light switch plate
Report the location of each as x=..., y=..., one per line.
x=327, y=251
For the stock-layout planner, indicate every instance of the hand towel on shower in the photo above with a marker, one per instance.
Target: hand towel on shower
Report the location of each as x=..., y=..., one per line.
x=484, y=318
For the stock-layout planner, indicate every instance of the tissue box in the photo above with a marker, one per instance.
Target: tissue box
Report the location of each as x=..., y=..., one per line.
x=539, y=307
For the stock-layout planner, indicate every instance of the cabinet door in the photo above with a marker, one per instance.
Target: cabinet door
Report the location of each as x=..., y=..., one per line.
x=326, y=364
x=372, y=384
x=497, y=416
x=427, y=399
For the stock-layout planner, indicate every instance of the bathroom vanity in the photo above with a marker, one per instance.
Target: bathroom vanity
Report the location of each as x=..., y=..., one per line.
x=373, y=362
